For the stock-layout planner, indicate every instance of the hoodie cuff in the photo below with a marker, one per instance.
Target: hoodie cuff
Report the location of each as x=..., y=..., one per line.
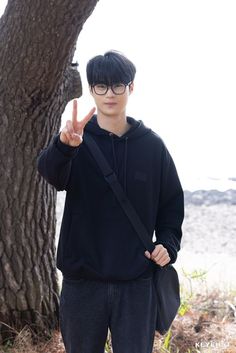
x=68, y=151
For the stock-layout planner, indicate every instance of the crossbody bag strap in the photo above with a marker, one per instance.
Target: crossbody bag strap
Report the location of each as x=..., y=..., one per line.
x=116, y=187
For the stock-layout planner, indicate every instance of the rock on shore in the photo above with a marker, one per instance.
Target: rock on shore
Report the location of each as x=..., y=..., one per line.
x=210, y=197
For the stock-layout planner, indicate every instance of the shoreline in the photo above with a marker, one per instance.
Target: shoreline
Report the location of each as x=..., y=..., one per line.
x=210, y=197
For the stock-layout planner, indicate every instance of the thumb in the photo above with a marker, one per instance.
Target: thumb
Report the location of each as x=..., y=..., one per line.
x=147, y=254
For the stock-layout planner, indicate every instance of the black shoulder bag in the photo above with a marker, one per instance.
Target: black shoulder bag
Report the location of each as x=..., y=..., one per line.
x=166, y=280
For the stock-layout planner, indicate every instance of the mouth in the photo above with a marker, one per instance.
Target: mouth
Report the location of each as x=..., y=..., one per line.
x=110, y=104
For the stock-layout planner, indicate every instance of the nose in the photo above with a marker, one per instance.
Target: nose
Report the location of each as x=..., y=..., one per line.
x=110, y=92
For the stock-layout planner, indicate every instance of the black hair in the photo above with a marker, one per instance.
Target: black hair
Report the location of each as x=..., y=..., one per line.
x=112, y=67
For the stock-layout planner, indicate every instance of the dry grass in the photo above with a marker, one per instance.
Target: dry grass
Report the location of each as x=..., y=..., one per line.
x=25, y=342
x=208, y=326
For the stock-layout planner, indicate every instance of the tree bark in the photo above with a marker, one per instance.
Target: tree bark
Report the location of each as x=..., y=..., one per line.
x=37, y=43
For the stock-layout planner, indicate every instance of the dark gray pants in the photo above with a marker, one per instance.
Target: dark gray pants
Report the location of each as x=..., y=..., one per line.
x=88, y=308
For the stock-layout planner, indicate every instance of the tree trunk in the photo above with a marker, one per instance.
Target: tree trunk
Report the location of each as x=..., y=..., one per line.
x=37, y=43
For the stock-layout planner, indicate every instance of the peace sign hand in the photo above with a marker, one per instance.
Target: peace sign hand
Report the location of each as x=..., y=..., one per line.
x=72, y=133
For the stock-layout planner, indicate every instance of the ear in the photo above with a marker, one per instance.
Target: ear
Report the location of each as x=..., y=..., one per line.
x=131, y=88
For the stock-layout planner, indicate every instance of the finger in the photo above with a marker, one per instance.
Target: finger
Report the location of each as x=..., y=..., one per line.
x=163, y=260
x=68, y=136
x=158, y=259
x=74, y=112
x=65, y=136
x=70, y=127
x=147, y=254
x=77, y=139
x=84, y=121
x=157, y=250
x=72, y=139
x=161, y=252
x=66, y=132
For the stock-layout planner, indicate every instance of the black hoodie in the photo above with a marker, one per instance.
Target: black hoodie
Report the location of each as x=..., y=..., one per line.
x=96, y=238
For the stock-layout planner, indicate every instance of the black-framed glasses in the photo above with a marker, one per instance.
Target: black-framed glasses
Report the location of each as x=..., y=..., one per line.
x=117, y=88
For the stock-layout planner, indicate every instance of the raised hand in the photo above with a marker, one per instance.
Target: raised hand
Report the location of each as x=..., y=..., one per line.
x=72, y=133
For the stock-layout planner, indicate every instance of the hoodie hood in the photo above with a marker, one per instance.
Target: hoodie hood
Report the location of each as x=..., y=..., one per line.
x=137, y=128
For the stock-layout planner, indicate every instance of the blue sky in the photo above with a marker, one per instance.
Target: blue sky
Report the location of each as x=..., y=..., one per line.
x=185, y=88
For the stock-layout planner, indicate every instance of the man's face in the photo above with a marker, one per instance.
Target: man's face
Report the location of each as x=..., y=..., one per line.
x=111, y=104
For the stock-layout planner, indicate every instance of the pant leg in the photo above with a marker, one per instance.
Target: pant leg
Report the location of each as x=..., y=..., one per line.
x=133, y=317
x=84, y=316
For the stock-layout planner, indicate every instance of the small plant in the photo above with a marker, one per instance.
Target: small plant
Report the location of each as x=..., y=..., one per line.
x=166, y=344
x=184, y=307
x=195, y=275
x=187, y=296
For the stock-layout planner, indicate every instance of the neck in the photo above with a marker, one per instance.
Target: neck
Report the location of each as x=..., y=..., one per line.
x=118, y=125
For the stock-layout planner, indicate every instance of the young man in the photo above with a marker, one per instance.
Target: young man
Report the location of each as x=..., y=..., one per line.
x=107, y=272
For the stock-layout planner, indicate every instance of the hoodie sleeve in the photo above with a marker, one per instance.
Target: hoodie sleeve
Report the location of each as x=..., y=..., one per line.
x=54, y=163
x=171, y=208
